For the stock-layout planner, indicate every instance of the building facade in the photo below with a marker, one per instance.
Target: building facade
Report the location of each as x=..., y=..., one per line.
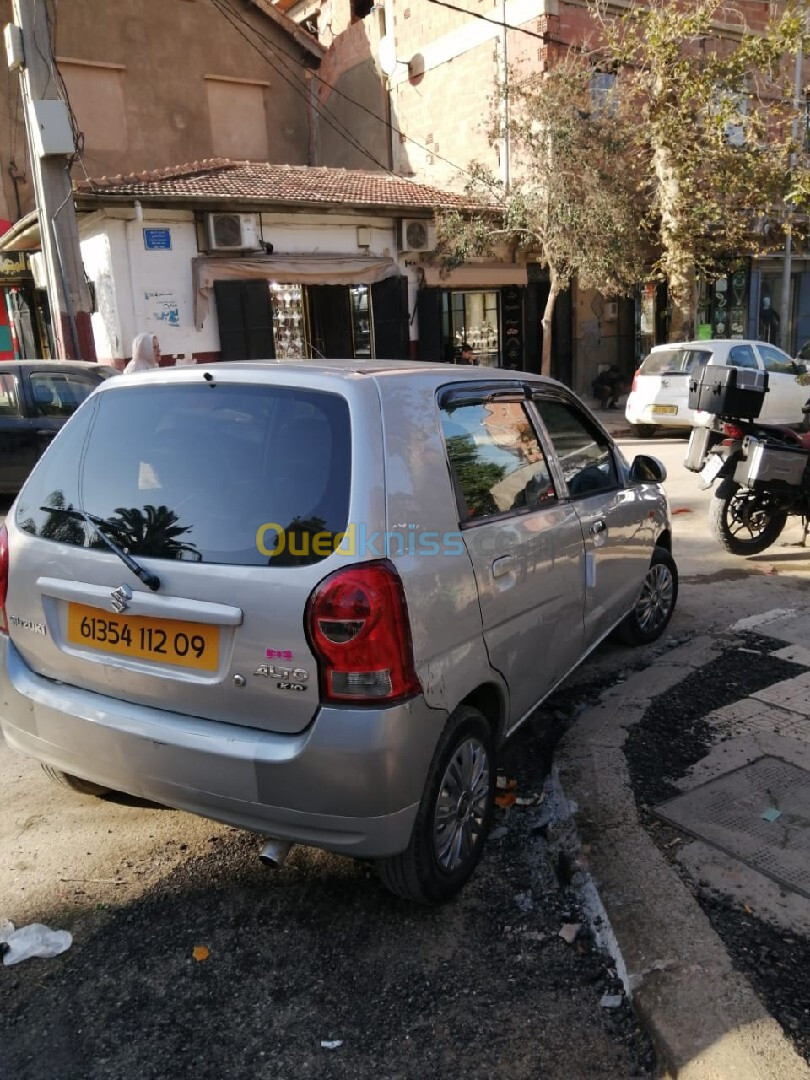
x=240, y=261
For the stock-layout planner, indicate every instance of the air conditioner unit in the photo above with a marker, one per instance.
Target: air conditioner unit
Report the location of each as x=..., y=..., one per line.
x=416, y=234
x=233, y=232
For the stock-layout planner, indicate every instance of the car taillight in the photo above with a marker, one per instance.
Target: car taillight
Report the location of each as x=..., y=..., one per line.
x=733, y=431
x=3, y=578
x=634, y=386
x=358, y=628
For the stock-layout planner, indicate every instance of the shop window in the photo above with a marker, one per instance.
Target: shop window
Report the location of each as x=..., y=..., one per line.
x=471, y=317
x=289, y=321
x=361, y=320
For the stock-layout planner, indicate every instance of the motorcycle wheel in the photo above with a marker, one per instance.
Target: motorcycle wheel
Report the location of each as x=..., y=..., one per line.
x=742, y=521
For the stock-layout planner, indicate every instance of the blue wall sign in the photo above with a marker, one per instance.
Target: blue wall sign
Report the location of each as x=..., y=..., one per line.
x=157, y=239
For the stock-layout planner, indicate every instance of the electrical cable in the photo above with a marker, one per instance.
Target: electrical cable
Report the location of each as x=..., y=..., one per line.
x=321, y=110
x=277, y=49
x=493, y=22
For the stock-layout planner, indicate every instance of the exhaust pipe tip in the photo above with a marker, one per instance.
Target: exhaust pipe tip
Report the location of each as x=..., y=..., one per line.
x=274, y=853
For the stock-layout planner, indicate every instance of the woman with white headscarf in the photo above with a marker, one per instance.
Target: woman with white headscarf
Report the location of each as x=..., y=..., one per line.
x=145, y=354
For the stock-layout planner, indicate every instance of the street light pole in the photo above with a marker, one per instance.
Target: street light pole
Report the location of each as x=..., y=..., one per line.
x=784, y=310
x=68, y=294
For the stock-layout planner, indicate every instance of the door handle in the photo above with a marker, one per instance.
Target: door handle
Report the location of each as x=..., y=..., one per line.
x=46, y=433
x=598, y=527
x=501, y=565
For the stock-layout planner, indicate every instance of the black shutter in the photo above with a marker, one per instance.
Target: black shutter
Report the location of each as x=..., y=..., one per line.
x=245, y=320
x=258, y=315
x=389, y=305
x=429, y=311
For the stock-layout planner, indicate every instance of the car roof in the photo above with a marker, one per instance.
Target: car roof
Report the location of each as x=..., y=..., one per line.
x=266, y=370
x=57, y=365
x=711, y=343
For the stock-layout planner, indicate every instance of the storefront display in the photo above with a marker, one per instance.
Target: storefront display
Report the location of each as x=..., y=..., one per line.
x=289, y=324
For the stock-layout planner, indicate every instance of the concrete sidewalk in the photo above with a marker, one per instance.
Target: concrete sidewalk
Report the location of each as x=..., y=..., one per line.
x=702, y=1012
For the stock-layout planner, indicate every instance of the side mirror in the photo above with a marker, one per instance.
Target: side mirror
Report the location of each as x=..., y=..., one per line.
x=647, y=470
x=799, y=368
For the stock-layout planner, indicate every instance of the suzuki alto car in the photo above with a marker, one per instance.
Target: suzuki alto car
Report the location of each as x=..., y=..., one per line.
x=312, y=600
x=659, y=397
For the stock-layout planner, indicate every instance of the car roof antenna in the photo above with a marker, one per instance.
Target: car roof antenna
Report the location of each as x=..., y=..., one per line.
x=209, y=378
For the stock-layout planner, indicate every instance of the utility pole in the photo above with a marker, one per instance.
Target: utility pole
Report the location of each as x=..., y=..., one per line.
x=50, y=148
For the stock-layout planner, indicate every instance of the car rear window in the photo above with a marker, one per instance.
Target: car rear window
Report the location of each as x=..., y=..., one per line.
x=674, y=361
x=218, y=474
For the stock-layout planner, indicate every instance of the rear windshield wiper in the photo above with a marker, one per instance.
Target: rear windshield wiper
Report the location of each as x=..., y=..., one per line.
x=151, y=581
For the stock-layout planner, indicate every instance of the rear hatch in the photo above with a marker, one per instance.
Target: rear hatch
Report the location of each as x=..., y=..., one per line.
x=233, y=496
x=662, y=381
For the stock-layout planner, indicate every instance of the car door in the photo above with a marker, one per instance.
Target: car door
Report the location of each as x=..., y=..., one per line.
x=524, y=540
x=785, y=397
x=19, y=447
x=611, y=515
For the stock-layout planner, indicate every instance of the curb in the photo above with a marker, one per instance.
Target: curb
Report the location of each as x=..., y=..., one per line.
x=703, y=1016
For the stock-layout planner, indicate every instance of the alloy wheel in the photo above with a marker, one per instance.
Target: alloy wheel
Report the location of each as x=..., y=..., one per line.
x=461, y=806
x=655, y=602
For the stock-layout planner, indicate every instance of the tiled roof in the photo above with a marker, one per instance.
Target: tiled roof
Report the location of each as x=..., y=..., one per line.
x=261, y=182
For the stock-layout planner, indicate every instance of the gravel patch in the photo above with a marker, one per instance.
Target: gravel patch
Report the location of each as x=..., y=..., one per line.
x=317, y=971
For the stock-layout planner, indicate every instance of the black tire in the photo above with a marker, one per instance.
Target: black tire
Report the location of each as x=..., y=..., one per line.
x=427, y=871
x=75, y=783
x=643, y=431
x=736, y=512
x=656, y=602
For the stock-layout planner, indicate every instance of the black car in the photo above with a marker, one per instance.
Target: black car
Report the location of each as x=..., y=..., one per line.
x=36, y=398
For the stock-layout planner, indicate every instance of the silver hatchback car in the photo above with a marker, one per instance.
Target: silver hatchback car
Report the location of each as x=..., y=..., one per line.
x=313, y=599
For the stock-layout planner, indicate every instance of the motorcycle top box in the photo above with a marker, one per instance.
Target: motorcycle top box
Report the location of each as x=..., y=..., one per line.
x=728, y=391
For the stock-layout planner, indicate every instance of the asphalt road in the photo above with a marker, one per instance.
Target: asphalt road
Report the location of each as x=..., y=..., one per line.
x=319, y=952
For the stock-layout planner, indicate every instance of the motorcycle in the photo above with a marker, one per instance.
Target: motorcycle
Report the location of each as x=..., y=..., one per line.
x=762, y=474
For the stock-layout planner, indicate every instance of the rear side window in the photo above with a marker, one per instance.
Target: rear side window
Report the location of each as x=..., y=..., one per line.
x=9, y=403
x=673, y=361
x=230, y=474
x=58, y=394
x=584, y=454
x=742, y=356
x=496, y=459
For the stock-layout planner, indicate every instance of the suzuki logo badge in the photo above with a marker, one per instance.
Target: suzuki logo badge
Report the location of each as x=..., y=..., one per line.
x=121, y=598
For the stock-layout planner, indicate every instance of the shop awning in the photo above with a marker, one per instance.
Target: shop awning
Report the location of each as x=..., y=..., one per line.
x=23, y=234
x=490, y=275
x=287, y=269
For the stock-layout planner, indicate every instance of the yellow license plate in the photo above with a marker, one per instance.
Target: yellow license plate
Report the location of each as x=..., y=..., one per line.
x=669, y=410
x=164, y=641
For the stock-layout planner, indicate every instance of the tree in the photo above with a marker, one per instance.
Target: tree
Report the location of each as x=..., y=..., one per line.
x=715, y=132
x=573, y=200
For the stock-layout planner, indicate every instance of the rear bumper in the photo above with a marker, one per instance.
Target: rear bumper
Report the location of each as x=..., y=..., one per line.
x=351, y=782
x=641, y=412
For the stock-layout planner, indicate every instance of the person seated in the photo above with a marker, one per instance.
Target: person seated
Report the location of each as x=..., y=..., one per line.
x=608, y=386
